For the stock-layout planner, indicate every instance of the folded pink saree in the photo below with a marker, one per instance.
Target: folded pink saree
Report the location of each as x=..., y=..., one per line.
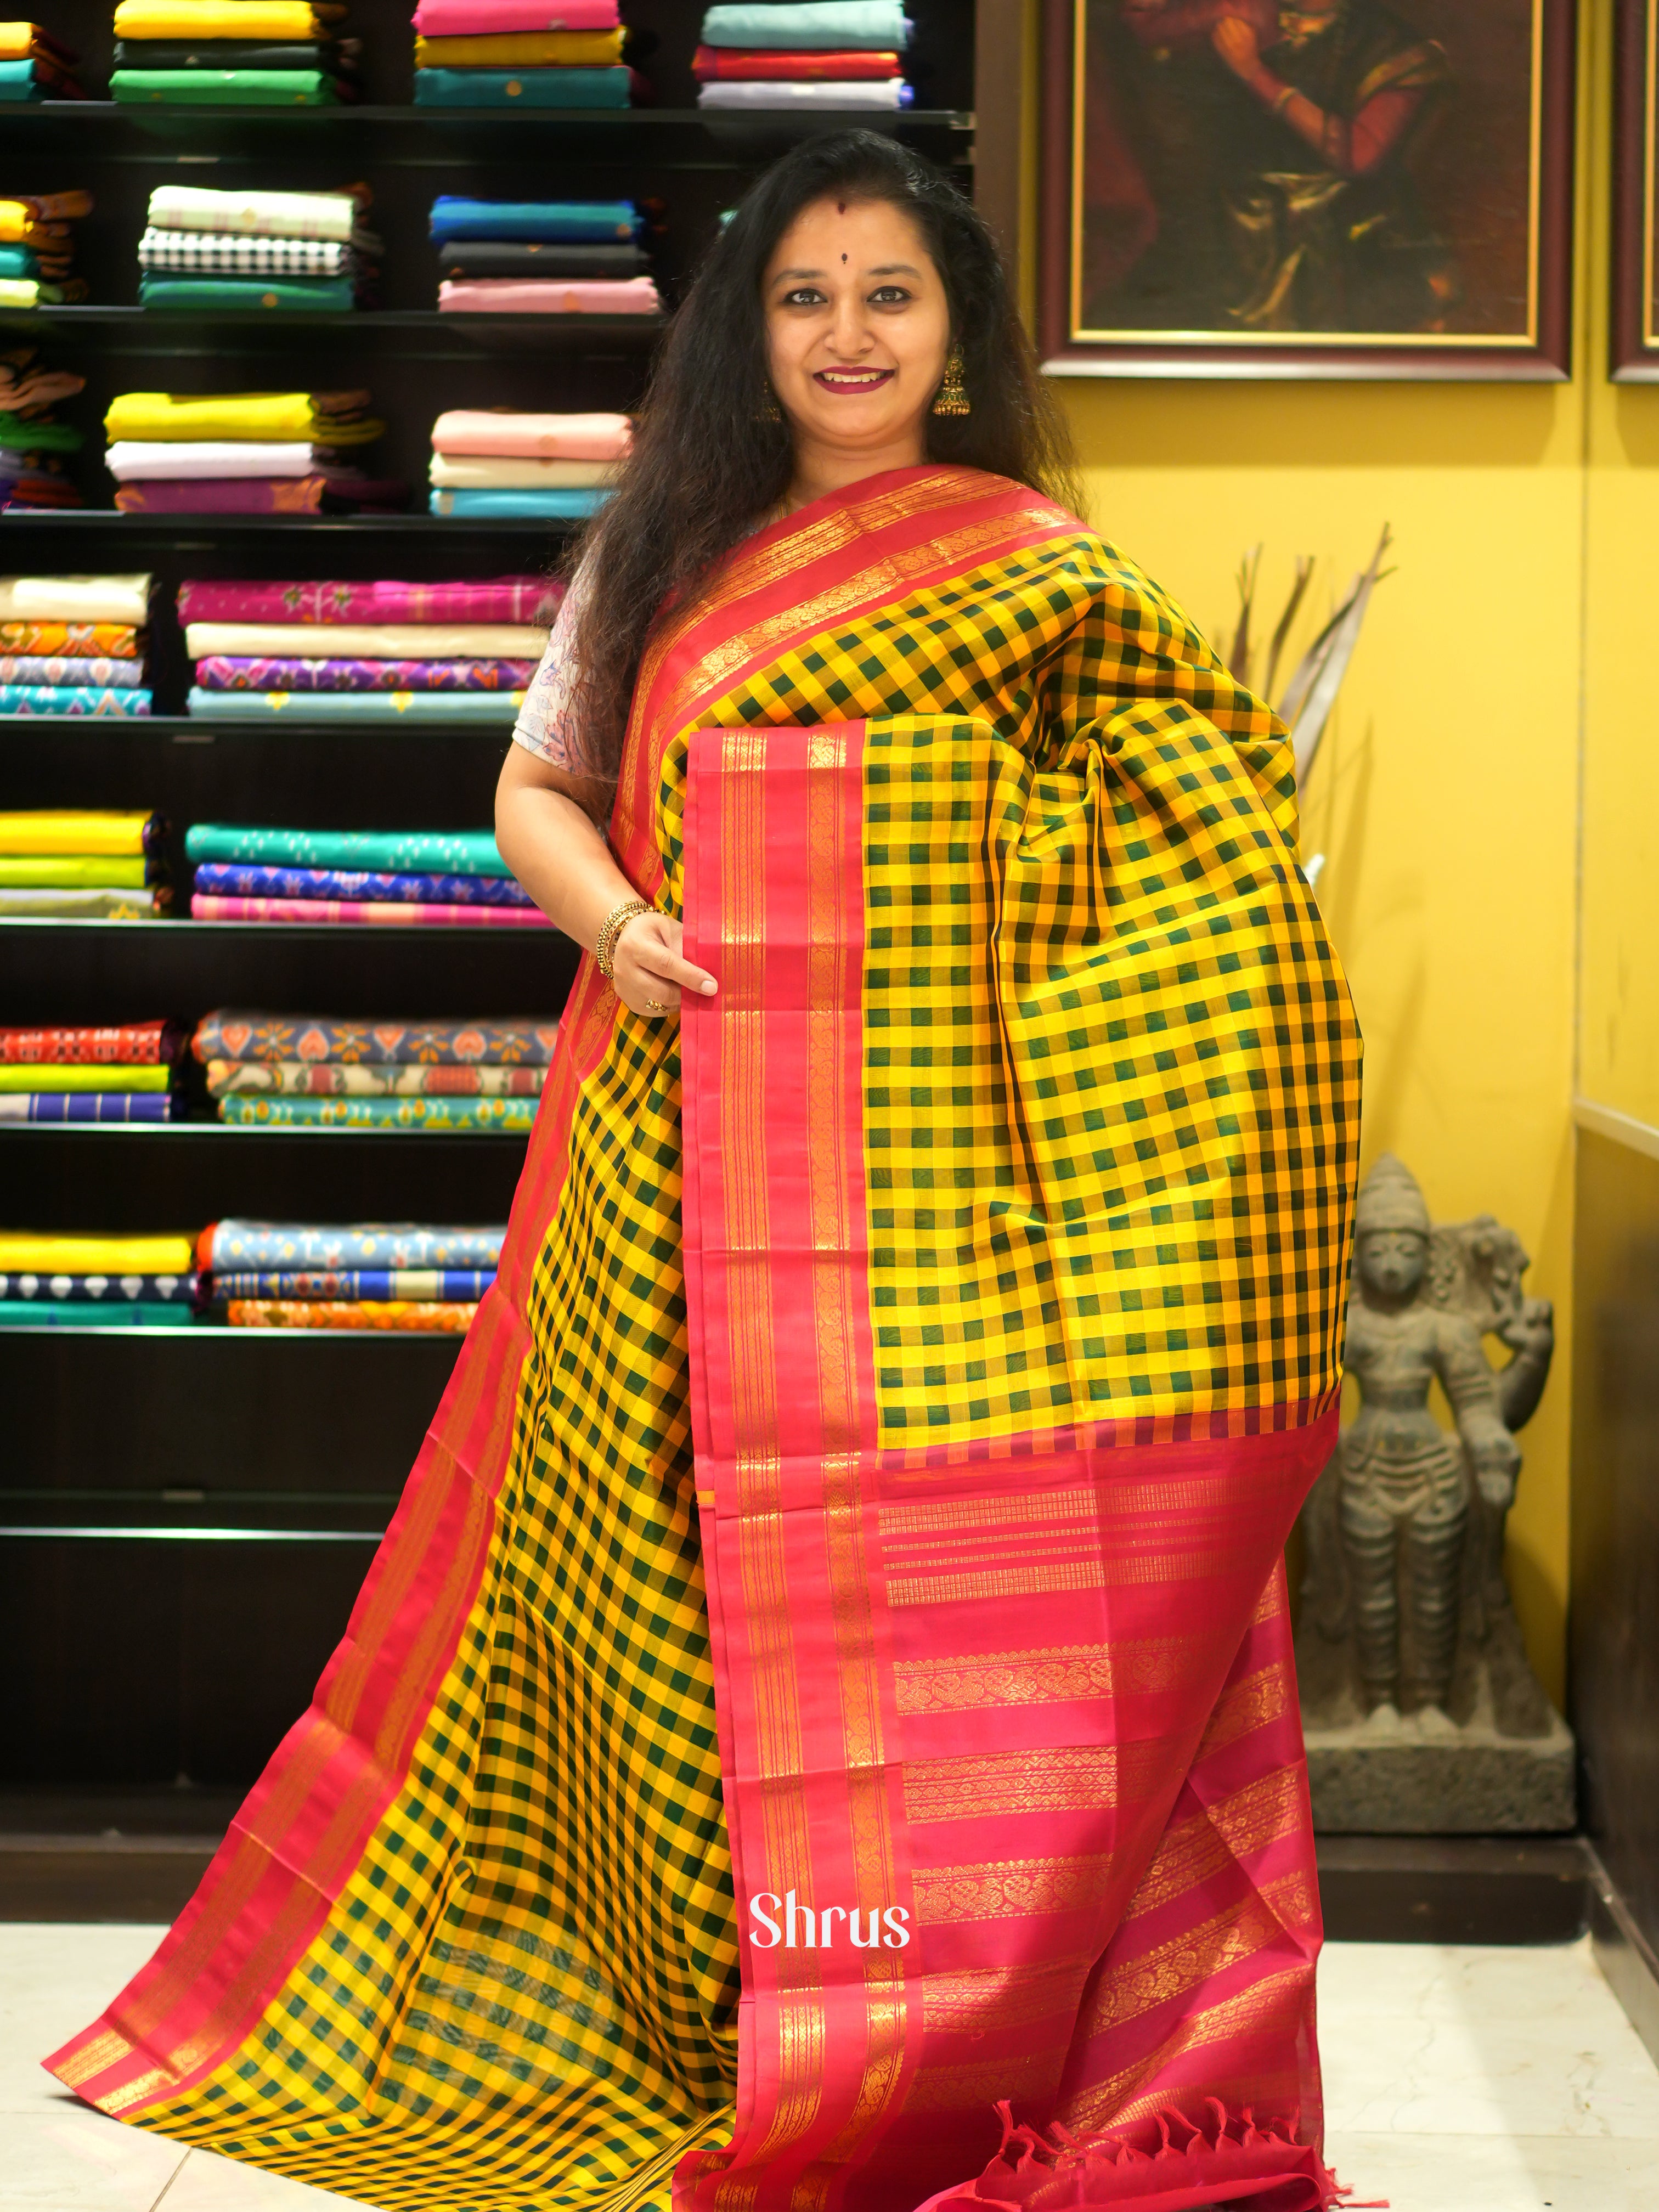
x=549, y=296
x=395, y=914
x=517, y=599
x=464, y=19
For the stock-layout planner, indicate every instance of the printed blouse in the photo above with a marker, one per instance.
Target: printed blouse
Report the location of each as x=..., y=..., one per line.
x=546, y=723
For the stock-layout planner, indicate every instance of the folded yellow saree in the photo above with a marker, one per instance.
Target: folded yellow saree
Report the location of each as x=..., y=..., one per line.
x=321, y=417
x=276, y=20
x=521, y=49
x=858, y=1506
x=23, y=1253
x=60, y=1075
x=69, y=830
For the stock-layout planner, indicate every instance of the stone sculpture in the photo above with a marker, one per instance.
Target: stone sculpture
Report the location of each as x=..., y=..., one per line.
x=1422, y=1713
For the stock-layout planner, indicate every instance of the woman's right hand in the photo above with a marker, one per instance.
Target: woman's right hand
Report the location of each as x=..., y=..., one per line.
x=648, y=971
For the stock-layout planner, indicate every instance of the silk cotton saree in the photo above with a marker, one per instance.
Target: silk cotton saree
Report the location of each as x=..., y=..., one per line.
x=829, y=1672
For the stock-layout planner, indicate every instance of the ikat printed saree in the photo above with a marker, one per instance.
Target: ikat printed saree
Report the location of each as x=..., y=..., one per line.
x=829, y=1671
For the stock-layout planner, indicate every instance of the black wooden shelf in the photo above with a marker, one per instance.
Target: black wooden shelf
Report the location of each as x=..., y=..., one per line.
x=687, y=137
x=74, y=523
x=424, y=334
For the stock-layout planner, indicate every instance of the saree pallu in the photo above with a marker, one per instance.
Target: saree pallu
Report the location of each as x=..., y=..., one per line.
x=1011, y=1173
x=229, y=1033
x=221, y=672
x=526, y=601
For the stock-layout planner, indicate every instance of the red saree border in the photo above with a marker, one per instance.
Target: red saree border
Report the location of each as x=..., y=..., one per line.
x=1150, y=1555
x=307, y=1820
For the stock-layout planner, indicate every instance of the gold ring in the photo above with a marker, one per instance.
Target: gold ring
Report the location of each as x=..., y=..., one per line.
x=655, y=1006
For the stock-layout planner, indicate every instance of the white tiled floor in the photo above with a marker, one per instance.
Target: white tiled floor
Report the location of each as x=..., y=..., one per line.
x=1456, y=2080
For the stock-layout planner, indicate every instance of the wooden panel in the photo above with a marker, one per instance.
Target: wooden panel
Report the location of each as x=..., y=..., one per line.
x=1614, y=1654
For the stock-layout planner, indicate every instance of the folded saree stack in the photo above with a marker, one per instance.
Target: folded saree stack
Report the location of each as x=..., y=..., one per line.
x=257, y=250
x=34, y=445
x=65, y=864
x=488, y=462
x=74, y=645
x=542, y=257
x=245, y=452
x=50, y=1280
x=241, y=53
x=127, y=1073
x=802, y=53
x=371, y=1274
x=397, y=878
x=37, y=244
x=519, y=53
x=33, y=66
x=378, y=652
x=313, y=1071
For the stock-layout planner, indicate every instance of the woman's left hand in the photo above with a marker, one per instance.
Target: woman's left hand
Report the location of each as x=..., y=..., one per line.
x=647, y=968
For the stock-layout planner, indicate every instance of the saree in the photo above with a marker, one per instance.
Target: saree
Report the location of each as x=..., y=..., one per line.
x=831, y=1669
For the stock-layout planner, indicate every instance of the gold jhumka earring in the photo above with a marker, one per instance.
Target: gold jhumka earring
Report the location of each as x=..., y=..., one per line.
x=951, y=399
x=769, y=411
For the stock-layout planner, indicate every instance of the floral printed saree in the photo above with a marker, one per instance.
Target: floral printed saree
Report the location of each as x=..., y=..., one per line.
x=829, y=1672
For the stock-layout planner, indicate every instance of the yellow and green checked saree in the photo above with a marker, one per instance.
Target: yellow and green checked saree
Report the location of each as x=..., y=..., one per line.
x=829, y=1670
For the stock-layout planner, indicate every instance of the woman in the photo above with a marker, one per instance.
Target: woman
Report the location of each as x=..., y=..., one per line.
x=829, y=1670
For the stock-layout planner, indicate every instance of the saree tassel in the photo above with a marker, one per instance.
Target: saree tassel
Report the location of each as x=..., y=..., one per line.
x=1237, y=2161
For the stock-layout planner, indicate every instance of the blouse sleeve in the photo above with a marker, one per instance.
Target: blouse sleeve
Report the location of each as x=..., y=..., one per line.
x=546, y=723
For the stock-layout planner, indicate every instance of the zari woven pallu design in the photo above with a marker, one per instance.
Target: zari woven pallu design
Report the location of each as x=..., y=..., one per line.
x=829, y=1670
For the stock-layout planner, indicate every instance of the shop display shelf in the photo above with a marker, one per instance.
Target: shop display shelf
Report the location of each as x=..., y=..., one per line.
x=74, y=524
x=419, y=334
x=687, y=137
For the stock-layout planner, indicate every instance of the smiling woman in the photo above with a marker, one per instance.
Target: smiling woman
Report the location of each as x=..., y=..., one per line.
x=858, y=1506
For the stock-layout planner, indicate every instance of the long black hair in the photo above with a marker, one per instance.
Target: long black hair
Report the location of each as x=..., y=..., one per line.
x=711, y=451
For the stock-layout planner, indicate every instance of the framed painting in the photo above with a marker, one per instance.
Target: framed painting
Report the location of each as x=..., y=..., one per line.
x=1635, y=331
x=1332, y=188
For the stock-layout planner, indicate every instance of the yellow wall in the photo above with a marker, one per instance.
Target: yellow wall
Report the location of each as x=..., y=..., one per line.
x=1446, y=797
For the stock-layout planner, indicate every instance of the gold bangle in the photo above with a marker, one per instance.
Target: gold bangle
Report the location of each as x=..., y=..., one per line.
x=605, y=950
x=1286, y=93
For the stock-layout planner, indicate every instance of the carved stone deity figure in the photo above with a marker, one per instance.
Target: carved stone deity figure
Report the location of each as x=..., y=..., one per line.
x=1407, y=1640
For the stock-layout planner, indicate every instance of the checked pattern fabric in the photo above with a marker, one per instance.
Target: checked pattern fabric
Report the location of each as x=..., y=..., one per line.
x=517, y=1990
x=253, y=257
